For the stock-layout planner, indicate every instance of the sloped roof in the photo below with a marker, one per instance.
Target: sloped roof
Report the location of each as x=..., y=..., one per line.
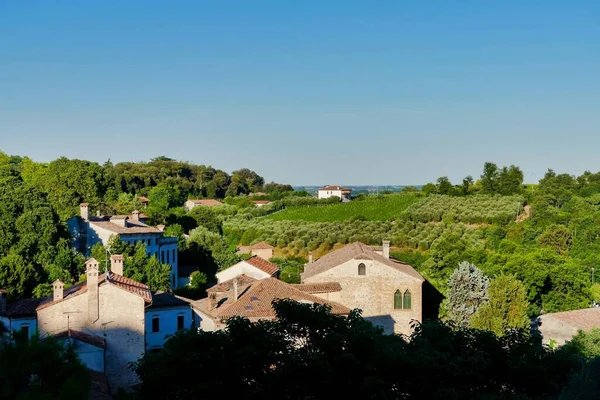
x=207, y=202
x=319, y=287
x=331, y=187
x=261, y=201
x=162, y=299
x=357, y=251
x=228, y=285
x=22, y=308
x=119, y=281
x=263, y=265
x=84, y=337
x=255, y=300
x=261, y=246
x=584, y=319
x=133, y=227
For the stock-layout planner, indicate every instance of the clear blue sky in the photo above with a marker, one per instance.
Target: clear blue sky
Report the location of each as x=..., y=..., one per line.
x=306, y=92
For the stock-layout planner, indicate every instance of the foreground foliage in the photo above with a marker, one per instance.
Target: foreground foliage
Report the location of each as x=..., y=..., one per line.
x=309, y=353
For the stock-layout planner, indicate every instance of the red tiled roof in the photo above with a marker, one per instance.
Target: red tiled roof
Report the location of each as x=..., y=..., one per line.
x=261, y=201
x=228, y=285
x=255, y=300
x=356, y=251
x=119, y=281
x=320, y=287
x=584, y=319
x=263, y=265
x=84, y=337
x=330, y=187
x=207, y=202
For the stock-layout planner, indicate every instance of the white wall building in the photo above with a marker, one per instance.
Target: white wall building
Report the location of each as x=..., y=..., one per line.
x=334, y=191
x=87, y=231
x=254, y=267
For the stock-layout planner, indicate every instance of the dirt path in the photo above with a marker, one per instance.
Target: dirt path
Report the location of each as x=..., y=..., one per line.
x=525, y=214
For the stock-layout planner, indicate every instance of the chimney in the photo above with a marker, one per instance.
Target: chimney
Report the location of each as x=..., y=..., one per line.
x=386, y=249
x=2, y=301
x=213, y=300
x=116, y=264
x=91, y=271
x=135, y=215
x=84, y=211
x=235, y=289
x=58, y=287
x=160, y=227
x=310, y=259
x=97, y=213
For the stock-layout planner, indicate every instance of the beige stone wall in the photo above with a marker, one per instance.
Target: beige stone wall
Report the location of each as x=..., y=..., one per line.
x=265, y=254
x=120, y=323
x=335, y=296
x=374, y=293
x=555, y=329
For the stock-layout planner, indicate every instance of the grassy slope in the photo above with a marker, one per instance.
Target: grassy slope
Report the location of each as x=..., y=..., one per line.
x=373, y=208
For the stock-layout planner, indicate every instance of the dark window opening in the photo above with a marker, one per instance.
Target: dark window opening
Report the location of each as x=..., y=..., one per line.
x=155, y=324
x=407, y=300
x=362, y=269
x=180, y=322
x=398, y=300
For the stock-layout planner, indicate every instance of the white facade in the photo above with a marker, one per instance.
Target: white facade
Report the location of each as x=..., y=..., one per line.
x=241, y=268
x=334, y=191
x=164, y=322
x=203, y=322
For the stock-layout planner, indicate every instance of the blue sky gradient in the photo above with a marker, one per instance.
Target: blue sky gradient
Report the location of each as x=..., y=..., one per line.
x=310, y=92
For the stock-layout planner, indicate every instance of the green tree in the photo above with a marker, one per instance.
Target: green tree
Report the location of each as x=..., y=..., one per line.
x=557, y=237
x=506, y=308
x=586, y=344
x=467, y=291
x=489, y=178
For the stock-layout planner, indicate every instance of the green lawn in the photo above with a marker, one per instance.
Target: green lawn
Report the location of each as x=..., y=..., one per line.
x=373, y=208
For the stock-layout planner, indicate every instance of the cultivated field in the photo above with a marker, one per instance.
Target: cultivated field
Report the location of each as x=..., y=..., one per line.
x=372, y=208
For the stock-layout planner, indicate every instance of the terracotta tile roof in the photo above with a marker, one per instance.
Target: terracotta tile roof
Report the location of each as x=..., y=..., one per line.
x=22, y=308
x=584, y=319
x=320, y=287
x=261, y=201
x=261, y=246
x=356, y=251
x=119, y=281
x=119, y=217
x=143, y=199
x=263, y=265
x=84, y=337
x=207, y=202
x=133, y=227
x=331, y=187
x=228, y=285
x=166, y=300
x=255, y=300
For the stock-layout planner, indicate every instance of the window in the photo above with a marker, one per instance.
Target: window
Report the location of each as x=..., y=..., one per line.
x=25, y=329
x=180, y=322
x=162, y=256
x=362, y=269
x=155, y=324
x=173, y=257
x=407, y=300
x=398, y=300
x=168, y=257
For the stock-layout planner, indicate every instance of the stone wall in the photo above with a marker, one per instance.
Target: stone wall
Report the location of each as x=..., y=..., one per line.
x=120, y=323
x=374, y=293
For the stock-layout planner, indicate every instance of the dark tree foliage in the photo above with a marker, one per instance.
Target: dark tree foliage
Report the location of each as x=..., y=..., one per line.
x=41, y=369
x=308, y=353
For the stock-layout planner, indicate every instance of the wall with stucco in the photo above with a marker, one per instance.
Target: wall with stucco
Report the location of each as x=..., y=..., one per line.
x=374, y=293
x=167, y=324
x=241, y=268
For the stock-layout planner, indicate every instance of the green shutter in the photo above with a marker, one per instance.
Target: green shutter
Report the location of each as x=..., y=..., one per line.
x=407, y=300
x=398, y=300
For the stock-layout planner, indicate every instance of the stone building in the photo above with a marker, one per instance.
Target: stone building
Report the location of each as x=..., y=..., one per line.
x=262, y=249
x=88, y=230
x=389, y=292
x=110, y=320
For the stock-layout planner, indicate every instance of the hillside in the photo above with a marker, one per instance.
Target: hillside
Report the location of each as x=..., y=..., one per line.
x=372, y=208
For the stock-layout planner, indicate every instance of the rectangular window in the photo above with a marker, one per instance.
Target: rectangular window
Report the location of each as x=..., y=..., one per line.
x=168, y=257
x=173, y=251
x=155, y=324
x=180, y=322
x=162, y=256
x=25, y=328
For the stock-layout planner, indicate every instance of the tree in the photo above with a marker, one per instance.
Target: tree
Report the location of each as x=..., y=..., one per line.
x=207, y=218
x=467, y=291
x=467, y=182
x=444, y=186
x=489, y=178
x=510, y=180
x=41, y=369
x=506, y=308
x=586, y=343
x=557, y=237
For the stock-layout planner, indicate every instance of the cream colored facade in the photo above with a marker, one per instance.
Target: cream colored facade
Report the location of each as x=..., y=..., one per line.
x=120, y=322
x=373, y=293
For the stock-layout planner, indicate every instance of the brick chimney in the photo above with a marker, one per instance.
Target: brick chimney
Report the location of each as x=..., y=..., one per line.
x=116, y=264
x=84, y=211
x=386, y=249
x=213, y=300
x=2, y=301
x=58, y=287
x=91, y=271
x=235, y=289
x=135, y=215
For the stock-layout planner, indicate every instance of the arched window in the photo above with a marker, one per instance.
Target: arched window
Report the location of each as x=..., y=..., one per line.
x=362, y=269
x=398, y=300
x=407, y=300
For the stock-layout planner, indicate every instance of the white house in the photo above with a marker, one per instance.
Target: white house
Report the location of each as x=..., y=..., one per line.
x=166, y=315
x=87, y=231
x=254, y=267
x=18, y=316
x=328, y=191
